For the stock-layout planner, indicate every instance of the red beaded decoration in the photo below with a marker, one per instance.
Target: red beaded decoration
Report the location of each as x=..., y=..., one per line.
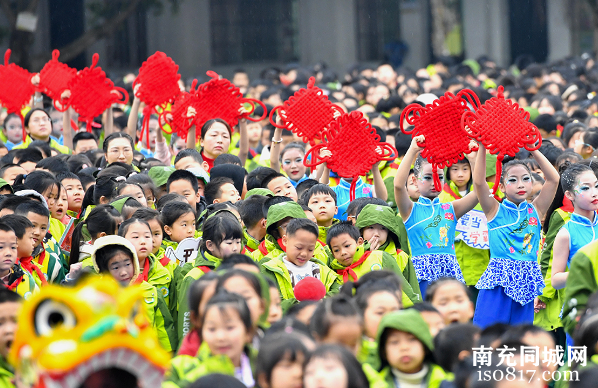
x=54, y=79
x=503, y=128
x=177, y=118
x=17, y=89
x=355, y=148
x=92, y=93
x=440, y=123
x=307, y=113
x=159, y=79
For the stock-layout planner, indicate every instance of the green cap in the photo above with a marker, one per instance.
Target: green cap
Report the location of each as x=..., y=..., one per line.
x=533, y=112
x=408, y=321
x=4, y=184
x=160, y=174
x=259, y=191
x=282, y=210
x=378, y=214
x=120, y=203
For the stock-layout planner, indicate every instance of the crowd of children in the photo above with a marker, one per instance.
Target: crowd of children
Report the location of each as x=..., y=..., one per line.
x=291, y=283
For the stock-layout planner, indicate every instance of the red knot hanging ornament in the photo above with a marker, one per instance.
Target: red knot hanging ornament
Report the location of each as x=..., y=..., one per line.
x=440, y=123
x=221, y=99
x=92, y=93
x=307, y=113
x=503, y=128
x=159, y=85
x=16, y=89
x=54, y=79
x=177, y=118
x=355, y=147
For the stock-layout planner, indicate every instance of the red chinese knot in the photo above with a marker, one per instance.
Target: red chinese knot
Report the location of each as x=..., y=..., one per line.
x=54, y=79
x=16, y=89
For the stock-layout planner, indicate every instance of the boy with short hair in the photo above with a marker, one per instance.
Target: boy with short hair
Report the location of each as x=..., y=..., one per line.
x=380, y=227
x=298, y=262
x=221, y=189
x=251, y=211
x=74, y=191
x=12, y=275
x=46, y=252
x=10, y=302
x=23, y=229
x=184, y=183
x=350, y=259
x=321, y=199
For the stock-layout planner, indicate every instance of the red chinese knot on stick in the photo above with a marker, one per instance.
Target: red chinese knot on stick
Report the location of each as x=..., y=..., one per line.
x=307, y=113
x=16, y=89
x=92, y=93
x=158, y=77
x=54, y=79
x=503, y=128
x=440, y=123
x=355, y=147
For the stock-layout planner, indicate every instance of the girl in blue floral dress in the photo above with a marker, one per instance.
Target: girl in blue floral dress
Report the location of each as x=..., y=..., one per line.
x=430, y=224
x=513, y=280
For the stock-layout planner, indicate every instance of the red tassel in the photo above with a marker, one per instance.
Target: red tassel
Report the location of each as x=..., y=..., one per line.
x=499, y=160
x=352, y=188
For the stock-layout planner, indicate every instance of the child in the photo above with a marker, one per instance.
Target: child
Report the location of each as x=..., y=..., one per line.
x=514, y=230
x=430, y=224
x=280, y=361
x=291, y=160
x=275, y=311
x=201, y=291
x=74, y=191
x=333, y=366
x=102, y=221
x=455, y=343
x=321, y=199
x=381, y=228
x=473, y=260
x=352, y=208
x=10, y=303
x=221, y=189
x=405, y=351
x=184, y=183
x=133, y=190
x=49, y=256
x=431, y=315
x=252, y=214
x=297, y=262
x=350, y=259
x=451, y=299
x=139, y=233
x=115, y=255
x=412, y=189
x=12, y=274
x=23, y=228
x=580, y=186
x=178, y=219
x=374, y=299
x=222, y=236
x=153, y=219
x=226, y=332
x=338, y=321
x=279, y=184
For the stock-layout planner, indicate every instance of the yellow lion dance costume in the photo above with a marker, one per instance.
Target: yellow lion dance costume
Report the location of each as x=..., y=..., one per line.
x=91, y=335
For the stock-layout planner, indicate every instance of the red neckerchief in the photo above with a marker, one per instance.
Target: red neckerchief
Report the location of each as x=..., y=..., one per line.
x=143, y=276
x=15, y=284
x=164, y=261
x=42, y=256
x=349, y=270
x=447, y=189
x=30, y=266
x=282, y=246
x=567, y=205
x=247, y=248
x=262, y=248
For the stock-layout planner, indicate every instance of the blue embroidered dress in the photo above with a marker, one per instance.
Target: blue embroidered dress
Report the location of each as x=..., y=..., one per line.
x=431, y=231
x=514, y=235
x=343, y=193
x=582, y=231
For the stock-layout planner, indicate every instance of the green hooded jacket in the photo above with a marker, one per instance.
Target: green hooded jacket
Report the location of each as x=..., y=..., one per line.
x=276, y=270
x=204, y=262
x=6, y=374
x=548, y=318
x=323, y=231
x=581, y=283
x=409, y=321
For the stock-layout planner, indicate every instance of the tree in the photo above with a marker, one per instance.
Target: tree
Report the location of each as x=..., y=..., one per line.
x=107, y=16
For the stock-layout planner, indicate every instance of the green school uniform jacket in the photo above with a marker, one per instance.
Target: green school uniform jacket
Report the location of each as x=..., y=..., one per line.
x=159, y=315
x=250, y=243
x=581, y=283
x=6, y=374
x=47, y=256
x=53, y=144
x=548, y=318
x=270, y=249
x=276, y=269
x=473, y=261
x=204, y=262
x=323, y=231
